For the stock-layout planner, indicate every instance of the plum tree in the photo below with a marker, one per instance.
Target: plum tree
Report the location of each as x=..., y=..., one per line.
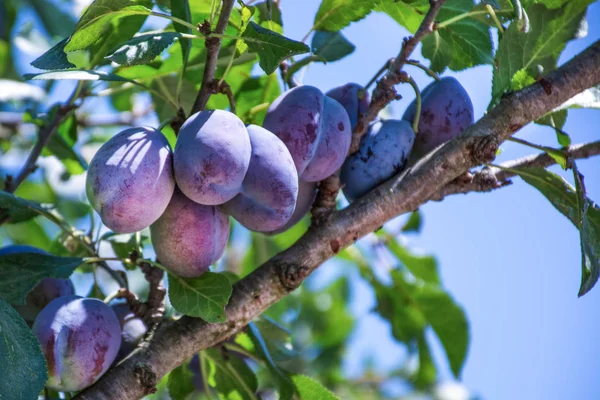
x=130, y=179
x=44, y=292
x=353, y=98
x=383, y=153
x=189, y=237
x=270, y=187
x=133, y=329
x=80, y=338
x=446, y=111
x=314, y=127
x=212, y=155
x=307, y=192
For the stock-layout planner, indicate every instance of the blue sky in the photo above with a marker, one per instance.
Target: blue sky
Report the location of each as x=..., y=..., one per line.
x=508, y=257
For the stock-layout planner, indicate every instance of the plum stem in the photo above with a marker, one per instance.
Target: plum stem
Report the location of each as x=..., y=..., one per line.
x=415, y=124
x=427, y=70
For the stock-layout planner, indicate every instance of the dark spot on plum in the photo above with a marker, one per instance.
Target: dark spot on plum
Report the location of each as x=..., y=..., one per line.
x=427, y=116
x=311, y=131
x=341, y=126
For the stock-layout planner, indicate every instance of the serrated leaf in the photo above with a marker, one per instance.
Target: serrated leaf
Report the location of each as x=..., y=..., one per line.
x=409, y=15
x=180, y=382
x=271, y=47
x=19, y=273
x=55, y=21
x=23, y=371
x=97, y=18
x=549, y=32
x=143, y=48
x=521, y=79
x=55, y=58
x=334, y=15
x=310, y=389
x=331, y=46
x=17, y=209
x=459, y=45
x=204, y=297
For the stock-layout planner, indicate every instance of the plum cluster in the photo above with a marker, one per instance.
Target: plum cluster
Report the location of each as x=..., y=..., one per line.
x=264, y=177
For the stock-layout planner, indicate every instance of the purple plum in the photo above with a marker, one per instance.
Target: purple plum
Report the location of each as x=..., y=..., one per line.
x=383, y=153
x=133, y=329
x=44, y=292
x=315, y=128
x=189, y=237
x=349, y=97
x=130, y=179
x=307, y=192
x=212, y=155
x=80, y=339
x=270, y=188
x=446, y=111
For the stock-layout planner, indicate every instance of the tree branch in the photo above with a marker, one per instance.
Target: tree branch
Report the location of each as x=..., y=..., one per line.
x=491, y=178
x=213, y=46
x=174, y=342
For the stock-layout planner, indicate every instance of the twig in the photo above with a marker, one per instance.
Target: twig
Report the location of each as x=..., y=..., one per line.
x=283, y=69
x=225, y=89
x=427, y=70
x=213, y=45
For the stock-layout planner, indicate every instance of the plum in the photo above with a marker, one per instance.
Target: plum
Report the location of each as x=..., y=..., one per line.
x=44, y=292
x=315, y=128
x=130, y=179
x=189, y=237
x=212, y=155
x=307, y=192
x=270, y=188
x=348, y=96
x=446, y=111
x=133, y=329
x=383, y=152
x=80, y=339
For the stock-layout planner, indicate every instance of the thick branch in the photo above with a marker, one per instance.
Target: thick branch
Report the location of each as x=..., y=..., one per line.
x=213, y=45
x=492, y=178
x=174, y=342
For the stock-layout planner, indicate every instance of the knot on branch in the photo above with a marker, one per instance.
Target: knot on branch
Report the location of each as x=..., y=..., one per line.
x=484, y=151
x=292, y=275
x=486, y=179
x=204, y=27
x=146, y=377
x=325, y=202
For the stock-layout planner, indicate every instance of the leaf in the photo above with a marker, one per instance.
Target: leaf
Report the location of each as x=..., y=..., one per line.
x=62, y=144
x=462, y=44
x=557, y=120
x=56, y=22
x=22, y=365
x=29, y=232
x=18, y=209
x=143, y=48
x=204, y=297
x=408, y=15
x=230, y=376
x=310, y=389
x=80, y=75
x=19, y=273
x=334, y=15
x=422, y=267
x=181, y=10
x=285, y=385
x=414, y=223
x=549, y=31
x=55, y=58
x=122, y=244
x=269, y=16
x=427, y=373
x=180, y=382
x=254, y=93
x=331, y=46
x=272, y=48
x=97, y=18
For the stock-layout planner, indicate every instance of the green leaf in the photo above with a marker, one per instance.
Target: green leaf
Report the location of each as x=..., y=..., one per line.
x=331, y=46
x=414, y=223
x=459, y=45
x=62, y=144
x=55, y=58
x=409, y=15
x=310, y=389
x=22, y=365
x=29, y=232
x=254, y=97
x=97, y=19
x=285, y=385
x=427, y=373
x=19, y=273
x=80, y=75
x=18, y=209
x=204, y=297
x=230, y=376
x=180, y=382
x=521, y=80
x=143, y=48
x=334, y=15
x=55, y=21
x=422, y=267
x=549, y=32
x=272, y=48
x=269, y=16
x=557, y=120
x=181, y=9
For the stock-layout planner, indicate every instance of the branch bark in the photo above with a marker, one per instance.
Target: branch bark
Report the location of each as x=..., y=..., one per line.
x=174, y=342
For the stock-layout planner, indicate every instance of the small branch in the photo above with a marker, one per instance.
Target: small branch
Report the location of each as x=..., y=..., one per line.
x=283, y=69
x=427, y=70
x=213, y=46
x=225, y=89
x=381, y=70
